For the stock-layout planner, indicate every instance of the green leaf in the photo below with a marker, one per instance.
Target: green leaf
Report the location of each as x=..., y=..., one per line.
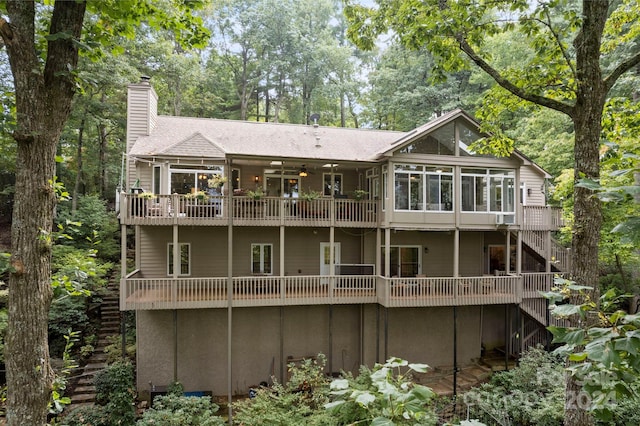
x=382, y=421
x=565, y=310
x=420, y=368
x=365, y=398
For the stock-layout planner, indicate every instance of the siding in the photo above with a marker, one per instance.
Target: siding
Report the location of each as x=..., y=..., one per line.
x=209, y=249
x=534, y=182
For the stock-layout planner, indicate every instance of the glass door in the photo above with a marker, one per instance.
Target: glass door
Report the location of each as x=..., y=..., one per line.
x=325, y=257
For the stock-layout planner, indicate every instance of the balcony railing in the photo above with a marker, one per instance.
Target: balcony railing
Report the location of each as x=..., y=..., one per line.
x=214, y=210
x=542, y=218
x=193, y=293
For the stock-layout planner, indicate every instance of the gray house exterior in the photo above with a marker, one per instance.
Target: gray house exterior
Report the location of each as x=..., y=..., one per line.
x=258, y=244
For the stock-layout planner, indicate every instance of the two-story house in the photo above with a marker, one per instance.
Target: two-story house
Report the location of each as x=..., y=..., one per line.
x=260, y=243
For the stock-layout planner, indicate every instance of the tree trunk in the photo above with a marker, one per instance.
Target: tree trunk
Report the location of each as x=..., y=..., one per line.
x=587, y=119
x=76, y=186
x=43, y=102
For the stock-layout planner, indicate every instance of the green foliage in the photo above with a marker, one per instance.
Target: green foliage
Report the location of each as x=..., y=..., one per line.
x=96, y=228
x=530, y=394
x=115, y=391
x=176, y=410
x=3, y=330
x=297, y=402
x=58, y=400
x=604, y=346
x=383, y=396
x=65, y=314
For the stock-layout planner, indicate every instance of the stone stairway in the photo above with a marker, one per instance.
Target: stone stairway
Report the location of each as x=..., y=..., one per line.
x=84, y=391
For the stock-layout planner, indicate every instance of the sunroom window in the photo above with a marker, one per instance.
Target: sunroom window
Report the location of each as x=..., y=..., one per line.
x=488, y=190
x=423, y=188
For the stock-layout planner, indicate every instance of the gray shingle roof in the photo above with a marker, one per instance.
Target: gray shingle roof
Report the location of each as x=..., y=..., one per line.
x=212, y=138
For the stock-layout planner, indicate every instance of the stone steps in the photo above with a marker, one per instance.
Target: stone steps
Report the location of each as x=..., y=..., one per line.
x=84, y=391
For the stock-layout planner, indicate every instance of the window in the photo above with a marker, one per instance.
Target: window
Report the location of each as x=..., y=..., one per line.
x=404, y=261
x=189, y=179
x=261, y=258
x=487, y=190
x=409, y=184
x=332, y=183
x=423, y=188
x=156, y=179
x=184, y=249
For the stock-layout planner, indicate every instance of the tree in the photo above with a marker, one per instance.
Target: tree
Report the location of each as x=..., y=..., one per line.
x=577, y=52
x=42, y=42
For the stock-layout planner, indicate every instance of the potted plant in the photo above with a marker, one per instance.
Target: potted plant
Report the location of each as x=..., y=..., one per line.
x=257, y=194
x=360, y=194
x=217, y=181
x=309, y=196
x=198, y=195
x=140, y=203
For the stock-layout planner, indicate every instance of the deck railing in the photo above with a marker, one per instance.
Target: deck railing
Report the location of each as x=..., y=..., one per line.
x=542, y=218
x=192, y=293
x=149, y=209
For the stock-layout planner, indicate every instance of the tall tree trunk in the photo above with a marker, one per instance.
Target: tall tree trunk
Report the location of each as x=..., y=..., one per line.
x=587, y=211
x=102, y=157
x=43, y=102
x=79, y=171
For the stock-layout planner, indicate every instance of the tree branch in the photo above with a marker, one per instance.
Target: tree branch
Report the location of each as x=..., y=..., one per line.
x=623, y=67
x=5, y=31
x=509, y=86
x=556, y=36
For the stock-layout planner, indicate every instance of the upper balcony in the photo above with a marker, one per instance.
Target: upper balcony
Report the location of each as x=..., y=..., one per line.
x=138, y=293
x=246, y=211
x=276, y=211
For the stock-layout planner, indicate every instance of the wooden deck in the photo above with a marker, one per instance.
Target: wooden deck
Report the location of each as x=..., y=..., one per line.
x=163, y=210
x=197, y=293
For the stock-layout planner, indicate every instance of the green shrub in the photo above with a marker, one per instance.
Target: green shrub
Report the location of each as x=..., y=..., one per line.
x=96, y=225
x=530, y=394
x=115, y=391
x=299, y=402
x=174, y=410
x=68, y=313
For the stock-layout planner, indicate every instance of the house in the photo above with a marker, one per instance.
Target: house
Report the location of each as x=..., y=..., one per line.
x=258, y=244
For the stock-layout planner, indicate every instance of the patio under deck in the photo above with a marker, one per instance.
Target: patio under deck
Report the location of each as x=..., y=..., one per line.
x=197, y=293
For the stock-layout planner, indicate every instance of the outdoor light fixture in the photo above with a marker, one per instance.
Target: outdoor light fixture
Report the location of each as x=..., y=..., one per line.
x=256, y=178
x=303, y=172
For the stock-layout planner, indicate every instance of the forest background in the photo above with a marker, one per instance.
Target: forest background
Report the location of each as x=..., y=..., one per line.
x=282, y=61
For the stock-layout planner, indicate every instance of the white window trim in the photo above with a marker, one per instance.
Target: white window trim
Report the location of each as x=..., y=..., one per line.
x=170, y=264
x=487, y=175
x=262, y=263
x=332, y=179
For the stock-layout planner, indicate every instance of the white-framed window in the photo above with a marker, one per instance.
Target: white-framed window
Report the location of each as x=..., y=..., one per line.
x=184, y=251
x=185, y=179
x=488, y=190
x=332, y=183
x=156, y=179
x=261, y=258
x=404, y=261
x=423, y=188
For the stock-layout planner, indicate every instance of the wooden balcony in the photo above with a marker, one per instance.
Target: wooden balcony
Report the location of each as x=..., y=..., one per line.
x=194, y=293
x=246, y=211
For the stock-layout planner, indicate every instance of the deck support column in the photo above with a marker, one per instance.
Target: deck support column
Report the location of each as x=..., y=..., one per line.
x=507, y=253
x=229, y=200
x=456, y=273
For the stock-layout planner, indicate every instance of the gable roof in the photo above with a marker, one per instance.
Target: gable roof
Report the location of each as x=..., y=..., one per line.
x=217, y=138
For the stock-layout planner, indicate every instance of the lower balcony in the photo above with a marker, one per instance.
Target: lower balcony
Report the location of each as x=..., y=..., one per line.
x=196, y=293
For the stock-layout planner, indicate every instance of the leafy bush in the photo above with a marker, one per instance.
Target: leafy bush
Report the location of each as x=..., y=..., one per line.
x=299, y=402
x=384, y=395
x=530, y=394
x=174, y=410
x=115, y=391
x=68, y=313
x=96, y=225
